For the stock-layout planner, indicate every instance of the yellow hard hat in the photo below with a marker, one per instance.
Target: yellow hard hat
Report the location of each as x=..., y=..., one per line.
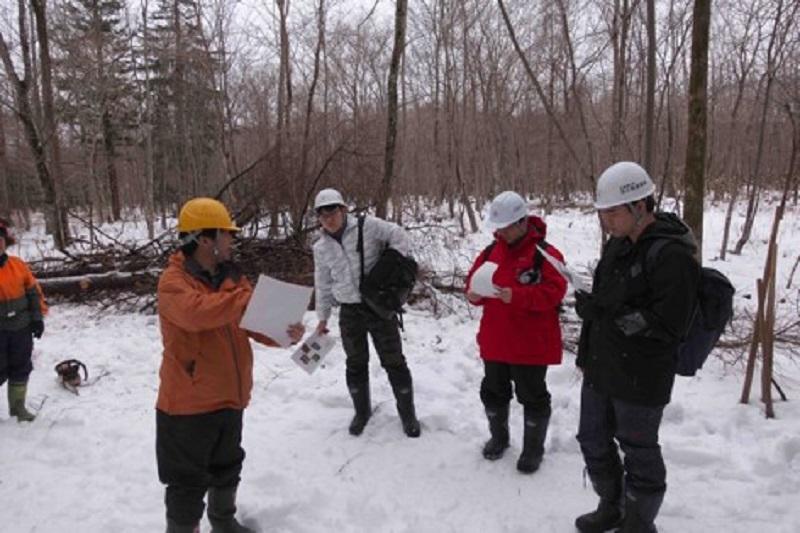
x=204, y=213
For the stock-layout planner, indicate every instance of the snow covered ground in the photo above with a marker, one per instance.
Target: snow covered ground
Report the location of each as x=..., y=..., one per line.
x=88, y=462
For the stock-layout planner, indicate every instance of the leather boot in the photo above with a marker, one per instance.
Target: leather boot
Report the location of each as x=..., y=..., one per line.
x=608, y=514
x=533, y=443
x=16, y=402
x=404, y=395
x=498, y=428
x=222, y=511
x=363, y=408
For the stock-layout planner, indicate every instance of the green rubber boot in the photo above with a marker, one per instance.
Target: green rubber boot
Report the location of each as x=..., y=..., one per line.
x=16, y=402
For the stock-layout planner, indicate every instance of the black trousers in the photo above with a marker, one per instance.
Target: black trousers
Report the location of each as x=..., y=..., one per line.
x=195, y=452
x=606, y=421
x=356, y=321
x=529, y=384
x=16, y=348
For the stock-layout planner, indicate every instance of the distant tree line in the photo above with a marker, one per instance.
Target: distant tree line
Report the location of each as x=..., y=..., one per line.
x=109, y=105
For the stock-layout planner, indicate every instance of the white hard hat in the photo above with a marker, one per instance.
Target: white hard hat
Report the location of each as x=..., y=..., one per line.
x=506, y=208
x=623, y=183
x=327, y=197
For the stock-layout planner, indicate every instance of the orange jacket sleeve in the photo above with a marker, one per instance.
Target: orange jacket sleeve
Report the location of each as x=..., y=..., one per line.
x=37, y=303
x=262, y=339
x=195, y=310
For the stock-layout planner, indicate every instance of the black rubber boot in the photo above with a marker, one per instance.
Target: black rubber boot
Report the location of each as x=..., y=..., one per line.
x=640, y=513
x=363, y=407
x=608, y=514
x=222, y=511
x=498, y=428
x=533, y=443
x=172, y=527
x=405, y=408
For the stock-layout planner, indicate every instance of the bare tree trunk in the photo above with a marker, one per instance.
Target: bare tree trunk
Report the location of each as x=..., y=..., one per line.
x=5, y=172
x=574, y=87
x=650, y=105
x=775, y=48
x=619, y=40
x=584, y=170
x=284, y=108
x=25, y=114
x=385, y=191
x=61, y=228
x=694, y=176
x=301, y=193
x=110, y=155
x=147, y=126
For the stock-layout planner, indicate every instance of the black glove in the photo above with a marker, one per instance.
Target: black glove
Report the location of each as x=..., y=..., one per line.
x=586, y=306
x=37, y=328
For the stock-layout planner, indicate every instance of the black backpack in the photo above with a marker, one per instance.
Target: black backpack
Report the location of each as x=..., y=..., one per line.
x=712, y=313
x=388, y=284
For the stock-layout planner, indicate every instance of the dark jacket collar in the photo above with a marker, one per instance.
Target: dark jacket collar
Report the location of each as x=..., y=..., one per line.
x=225, y=270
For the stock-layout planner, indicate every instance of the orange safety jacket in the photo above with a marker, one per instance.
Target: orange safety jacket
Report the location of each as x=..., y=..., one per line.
x=21, y=297
x=207, y=362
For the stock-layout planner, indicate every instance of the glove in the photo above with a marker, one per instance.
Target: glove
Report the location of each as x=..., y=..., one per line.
x=586, y=306
x=37, y=328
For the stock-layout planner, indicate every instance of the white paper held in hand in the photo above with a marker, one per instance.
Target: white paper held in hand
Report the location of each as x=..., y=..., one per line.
x=311, y=351
x=274, y=306
x=481, y=281
x=572, y=277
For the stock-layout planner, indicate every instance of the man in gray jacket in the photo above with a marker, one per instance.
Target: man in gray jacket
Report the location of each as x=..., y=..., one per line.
x=337, y=269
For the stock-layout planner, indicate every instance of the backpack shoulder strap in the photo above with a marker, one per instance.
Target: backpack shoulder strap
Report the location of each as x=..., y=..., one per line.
x=487, y=251
x=538, y=256
x=360, y=245
x=651, y=256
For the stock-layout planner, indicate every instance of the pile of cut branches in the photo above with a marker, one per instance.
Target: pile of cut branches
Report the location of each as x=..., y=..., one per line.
x=120, y=275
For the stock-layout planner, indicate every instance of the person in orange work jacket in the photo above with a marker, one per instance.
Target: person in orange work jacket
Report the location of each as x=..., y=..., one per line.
x=519, y=334
x=206, y=371
x=22, y=307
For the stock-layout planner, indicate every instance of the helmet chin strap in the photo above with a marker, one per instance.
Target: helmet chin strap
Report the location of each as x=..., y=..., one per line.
x=216, y=246
x=190, y=237
x=638, y=216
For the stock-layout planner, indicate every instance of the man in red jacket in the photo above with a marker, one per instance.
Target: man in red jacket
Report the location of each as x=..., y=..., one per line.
x=520, y=334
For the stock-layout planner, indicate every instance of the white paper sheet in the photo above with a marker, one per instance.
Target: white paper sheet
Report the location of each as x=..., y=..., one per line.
x=481, y=281
x=311, y=351
x=572, y=277
x=274, y=306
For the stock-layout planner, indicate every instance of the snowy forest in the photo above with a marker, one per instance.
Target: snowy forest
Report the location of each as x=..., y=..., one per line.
x=114, y=113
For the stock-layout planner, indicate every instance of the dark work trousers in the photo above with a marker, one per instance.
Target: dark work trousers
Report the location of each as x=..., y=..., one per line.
x=15, y=355
x=355, y=322
x=605, y=421
x=195, y=452
x=529, y=384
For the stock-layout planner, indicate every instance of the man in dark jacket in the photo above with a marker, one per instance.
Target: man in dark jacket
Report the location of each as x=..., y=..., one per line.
x=633, y=321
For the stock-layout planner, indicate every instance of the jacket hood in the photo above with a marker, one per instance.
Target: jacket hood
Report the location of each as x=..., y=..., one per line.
x=537, y=224
x=669, y=226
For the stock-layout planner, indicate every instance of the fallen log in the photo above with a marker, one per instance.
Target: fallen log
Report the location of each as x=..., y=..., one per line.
x=71, y=286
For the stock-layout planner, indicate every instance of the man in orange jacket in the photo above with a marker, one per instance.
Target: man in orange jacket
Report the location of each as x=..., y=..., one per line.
x=21, y=309
x=206, y=371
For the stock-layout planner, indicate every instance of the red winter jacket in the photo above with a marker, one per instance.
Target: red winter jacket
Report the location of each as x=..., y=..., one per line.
x=527, y=330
